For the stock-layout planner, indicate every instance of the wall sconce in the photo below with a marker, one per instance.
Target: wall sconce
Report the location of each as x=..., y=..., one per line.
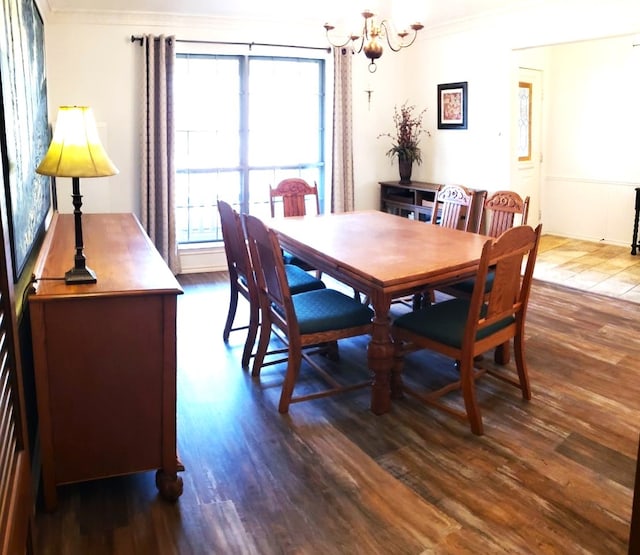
x=76, y=151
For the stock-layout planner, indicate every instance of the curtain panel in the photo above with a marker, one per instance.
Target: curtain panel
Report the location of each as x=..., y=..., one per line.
x=158, y=165
x=342, y=188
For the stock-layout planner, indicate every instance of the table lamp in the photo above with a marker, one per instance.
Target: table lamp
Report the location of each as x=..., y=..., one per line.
x=75, y=151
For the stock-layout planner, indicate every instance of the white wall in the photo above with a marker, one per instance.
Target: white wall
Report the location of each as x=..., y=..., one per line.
x=592, y=162
x=477, y=157
x=96, y=65
x=90, y=60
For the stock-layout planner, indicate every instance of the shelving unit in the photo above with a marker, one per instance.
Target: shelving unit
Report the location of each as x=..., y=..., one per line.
x=414, y=201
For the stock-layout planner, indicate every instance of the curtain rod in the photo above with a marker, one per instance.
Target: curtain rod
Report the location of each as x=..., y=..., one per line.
x=249, y=44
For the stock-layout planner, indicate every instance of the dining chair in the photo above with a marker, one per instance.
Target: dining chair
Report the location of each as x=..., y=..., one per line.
x=453, y=207
x=290, y=198
x=294, y=196
x=242, y=278
x=501, y=208
x=303, y=320
x=463, y=329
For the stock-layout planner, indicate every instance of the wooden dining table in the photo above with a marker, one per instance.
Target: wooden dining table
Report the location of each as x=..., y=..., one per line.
x=384, y=257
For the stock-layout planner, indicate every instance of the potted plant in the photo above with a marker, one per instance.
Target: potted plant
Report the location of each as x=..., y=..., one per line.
x=405, y=141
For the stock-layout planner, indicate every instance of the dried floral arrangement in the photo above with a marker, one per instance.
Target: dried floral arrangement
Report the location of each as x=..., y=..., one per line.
x=409, y=127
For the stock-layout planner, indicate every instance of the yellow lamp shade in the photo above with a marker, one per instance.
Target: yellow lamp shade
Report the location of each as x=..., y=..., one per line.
x=76, y=150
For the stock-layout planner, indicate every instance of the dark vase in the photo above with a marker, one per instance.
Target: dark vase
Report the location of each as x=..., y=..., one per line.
x=404, y=166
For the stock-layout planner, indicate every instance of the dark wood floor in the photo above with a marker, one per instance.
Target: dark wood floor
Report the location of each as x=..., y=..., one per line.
x=553, y=475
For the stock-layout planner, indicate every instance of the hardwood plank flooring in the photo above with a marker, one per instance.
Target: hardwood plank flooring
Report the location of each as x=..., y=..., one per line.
x=550, y=476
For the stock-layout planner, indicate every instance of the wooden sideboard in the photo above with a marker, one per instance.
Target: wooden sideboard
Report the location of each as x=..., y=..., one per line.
x=105, y=357
x=415, y=200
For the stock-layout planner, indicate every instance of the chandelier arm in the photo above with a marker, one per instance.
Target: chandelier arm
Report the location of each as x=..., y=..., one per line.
x=362, y=39
x=329, y=28
x=364, y=36
x=415, y=35
x=387, y=33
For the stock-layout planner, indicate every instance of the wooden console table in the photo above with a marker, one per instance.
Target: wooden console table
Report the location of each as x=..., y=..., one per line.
x=415, y=201
x=105, y=357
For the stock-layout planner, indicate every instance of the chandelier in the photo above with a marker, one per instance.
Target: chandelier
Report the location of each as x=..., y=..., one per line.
x=371, y=35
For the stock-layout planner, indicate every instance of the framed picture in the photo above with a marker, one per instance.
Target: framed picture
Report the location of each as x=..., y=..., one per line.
x=452, y=106
x=24, y=128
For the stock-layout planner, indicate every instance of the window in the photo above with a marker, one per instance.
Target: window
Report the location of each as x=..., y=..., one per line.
x=243, y=123
x=524, y=121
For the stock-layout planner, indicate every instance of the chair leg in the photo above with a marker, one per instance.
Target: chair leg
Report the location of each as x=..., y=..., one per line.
x=233, y=305
x=263, y=345
x=332, y=351
x=502, y=354
x=430, y=297
x=254, y=323
x=424, y=299
x=291, y=376
x=521, y=365
x=416, y=304
x=467, y=383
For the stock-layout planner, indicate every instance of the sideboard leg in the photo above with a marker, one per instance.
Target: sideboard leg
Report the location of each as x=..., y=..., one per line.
x=169, y=485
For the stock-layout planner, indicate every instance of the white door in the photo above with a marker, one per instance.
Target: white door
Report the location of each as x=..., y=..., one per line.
x=527, y=136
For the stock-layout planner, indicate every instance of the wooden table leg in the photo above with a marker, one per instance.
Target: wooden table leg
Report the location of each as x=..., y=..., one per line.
x=380, y=355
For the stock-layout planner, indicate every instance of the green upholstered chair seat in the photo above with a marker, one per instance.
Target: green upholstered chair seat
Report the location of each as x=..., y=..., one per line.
x=445, y=322
x=328, y=309
x=295, y=261
x=300, y=281
x=467, y=285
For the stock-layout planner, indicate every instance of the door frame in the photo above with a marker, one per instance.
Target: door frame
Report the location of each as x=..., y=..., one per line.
x=526, y=176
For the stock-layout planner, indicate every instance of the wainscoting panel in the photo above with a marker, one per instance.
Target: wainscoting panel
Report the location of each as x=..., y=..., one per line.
x=592, y=210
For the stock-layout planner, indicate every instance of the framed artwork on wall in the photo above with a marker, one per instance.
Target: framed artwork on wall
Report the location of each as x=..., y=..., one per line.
x=452, y=106
x=24, y=128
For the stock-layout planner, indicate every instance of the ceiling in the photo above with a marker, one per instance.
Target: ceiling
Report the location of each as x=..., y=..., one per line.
x=436, y=12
